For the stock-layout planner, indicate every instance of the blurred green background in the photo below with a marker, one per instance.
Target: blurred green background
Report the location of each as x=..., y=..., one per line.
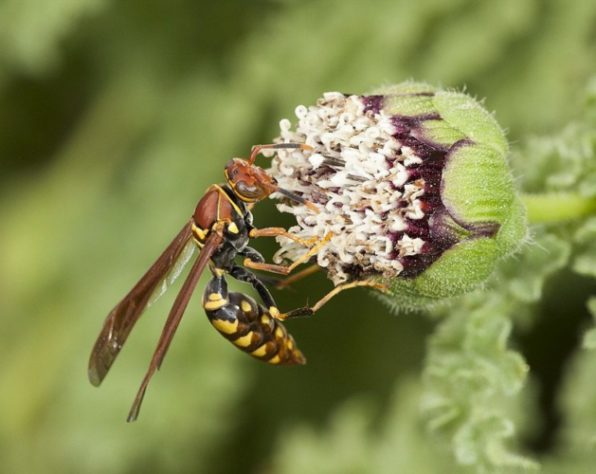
x=114, y=118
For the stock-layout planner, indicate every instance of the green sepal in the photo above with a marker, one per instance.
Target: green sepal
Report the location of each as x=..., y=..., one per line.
x=407, y=87
x=459, y=270
x=438, y=132
x=409, y=105
x=484, y=214
x=465, y=114
x=514, y=229
x=477, y=185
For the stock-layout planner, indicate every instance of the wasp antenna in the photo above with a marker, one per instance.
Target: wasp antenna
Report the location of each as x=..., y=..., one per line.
x=277, y=146
x=333, y=161
x=300, y=200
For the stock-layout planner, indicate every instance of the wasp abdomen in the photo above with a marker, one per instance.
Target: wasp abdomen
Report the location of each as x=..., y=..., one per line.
x=249, y=326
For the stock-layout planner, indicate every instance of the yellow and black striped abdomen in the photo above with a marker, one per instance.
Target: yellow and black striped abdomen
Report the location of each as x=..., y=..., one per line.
x=249, y=326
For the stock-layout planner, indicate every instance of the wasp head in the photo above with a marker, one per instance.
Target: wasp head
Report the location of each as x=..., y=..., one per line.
x=249, y=182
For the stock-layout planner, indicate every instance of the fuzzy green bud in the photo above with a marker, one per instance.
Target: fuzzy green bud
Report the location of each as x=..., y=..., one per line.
x=413, y=184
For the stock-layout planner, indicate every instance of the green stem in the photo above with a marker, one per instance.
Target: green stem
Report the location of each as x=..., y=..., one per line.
x=557, y=207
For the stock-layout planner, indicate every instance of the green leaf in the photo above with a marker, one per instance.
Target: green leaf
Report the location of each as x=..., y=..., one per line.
x=349, y=442
x=589, y=341
x=470, y=375
x=585, y=260
x=523, y=276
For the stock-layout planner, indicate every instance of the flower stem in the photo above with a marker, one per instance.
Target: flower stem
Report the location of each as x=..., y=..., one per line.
x=558, y=207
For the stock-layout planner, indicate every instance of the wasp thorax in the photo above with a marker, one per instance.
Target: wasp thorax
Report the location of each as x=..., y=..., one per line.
x=406, y=178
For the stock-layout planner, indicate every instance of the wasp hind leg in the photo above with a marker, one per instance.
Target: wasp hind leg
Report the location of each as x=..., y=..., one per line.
x=310, y=310
x=244, y=275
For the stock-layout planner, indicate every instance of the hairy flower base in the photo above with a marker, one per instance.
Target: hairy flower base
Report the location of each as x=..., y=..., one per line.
x=398, y=180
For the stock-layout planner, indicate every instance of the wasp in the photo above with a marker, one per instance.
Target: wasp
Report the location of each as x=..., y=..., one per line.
x=221, y=227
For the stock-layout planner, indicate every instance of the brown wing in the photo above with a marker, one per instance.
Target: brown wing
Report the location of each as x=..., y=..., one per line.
x=211, y=244
x=123, y=317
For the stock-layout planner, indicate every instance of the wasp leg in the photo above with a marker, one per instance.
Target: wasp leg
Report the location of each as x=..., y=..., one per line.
x=309, y=311
x=281, y=232
x=296, y=313
x=253, y=254
x=287, y=269
x=242, y=274
x=276, y=146
x=308, y=271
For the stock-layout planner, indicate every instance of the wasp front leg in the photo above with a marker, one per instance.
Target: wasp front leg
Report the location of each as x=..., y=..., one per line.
x=281, y=232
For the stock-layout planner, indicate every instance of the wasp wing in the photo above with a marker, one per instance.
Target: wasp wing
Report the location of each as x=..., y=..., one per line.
x=123, y=317
x=187, y=253
x=211, y=245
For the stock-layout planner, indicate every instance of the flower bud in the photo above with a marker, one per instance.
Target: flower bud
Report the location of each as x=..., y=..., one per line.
x=412, y=182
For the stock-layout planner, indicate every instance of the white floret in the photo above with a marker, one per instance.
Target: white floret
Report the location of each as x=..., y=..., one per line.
x=358, y=176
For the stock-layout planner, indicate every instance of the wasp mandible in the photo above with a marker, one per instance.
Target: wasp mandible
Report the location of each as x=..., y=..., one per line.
x=221, y=227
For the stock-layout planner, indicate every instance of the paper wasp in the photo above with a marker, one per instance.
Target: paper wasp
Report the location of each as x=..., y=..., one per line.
x=220, y=227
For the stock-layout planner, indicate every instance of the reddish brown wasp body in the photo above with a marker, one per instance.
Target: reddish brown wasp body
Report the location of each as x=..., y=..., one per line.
x=221, y=227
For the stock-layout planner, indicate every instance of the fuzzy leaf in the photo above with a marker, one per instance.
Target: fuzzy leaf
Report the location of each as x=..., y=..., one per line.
x=523, y=275
x=349, y=444
x=585, y=262
x=565, y=161
x=589, y=341
x=577, y=453
x=469, y=375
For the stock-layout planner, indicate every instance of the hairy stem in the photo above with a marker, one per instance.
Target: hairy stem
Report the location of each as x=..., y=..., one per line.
x=557, y=207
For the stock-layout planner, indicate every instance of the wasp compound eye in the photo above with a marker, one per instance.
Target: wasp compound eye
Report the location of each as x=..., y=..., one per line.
x=230, y=165
x=413, y=183
x=249, y=191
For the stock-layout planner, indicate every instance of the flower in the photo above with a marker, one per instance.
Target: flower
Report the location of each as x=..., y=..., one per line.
x=413, y=184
